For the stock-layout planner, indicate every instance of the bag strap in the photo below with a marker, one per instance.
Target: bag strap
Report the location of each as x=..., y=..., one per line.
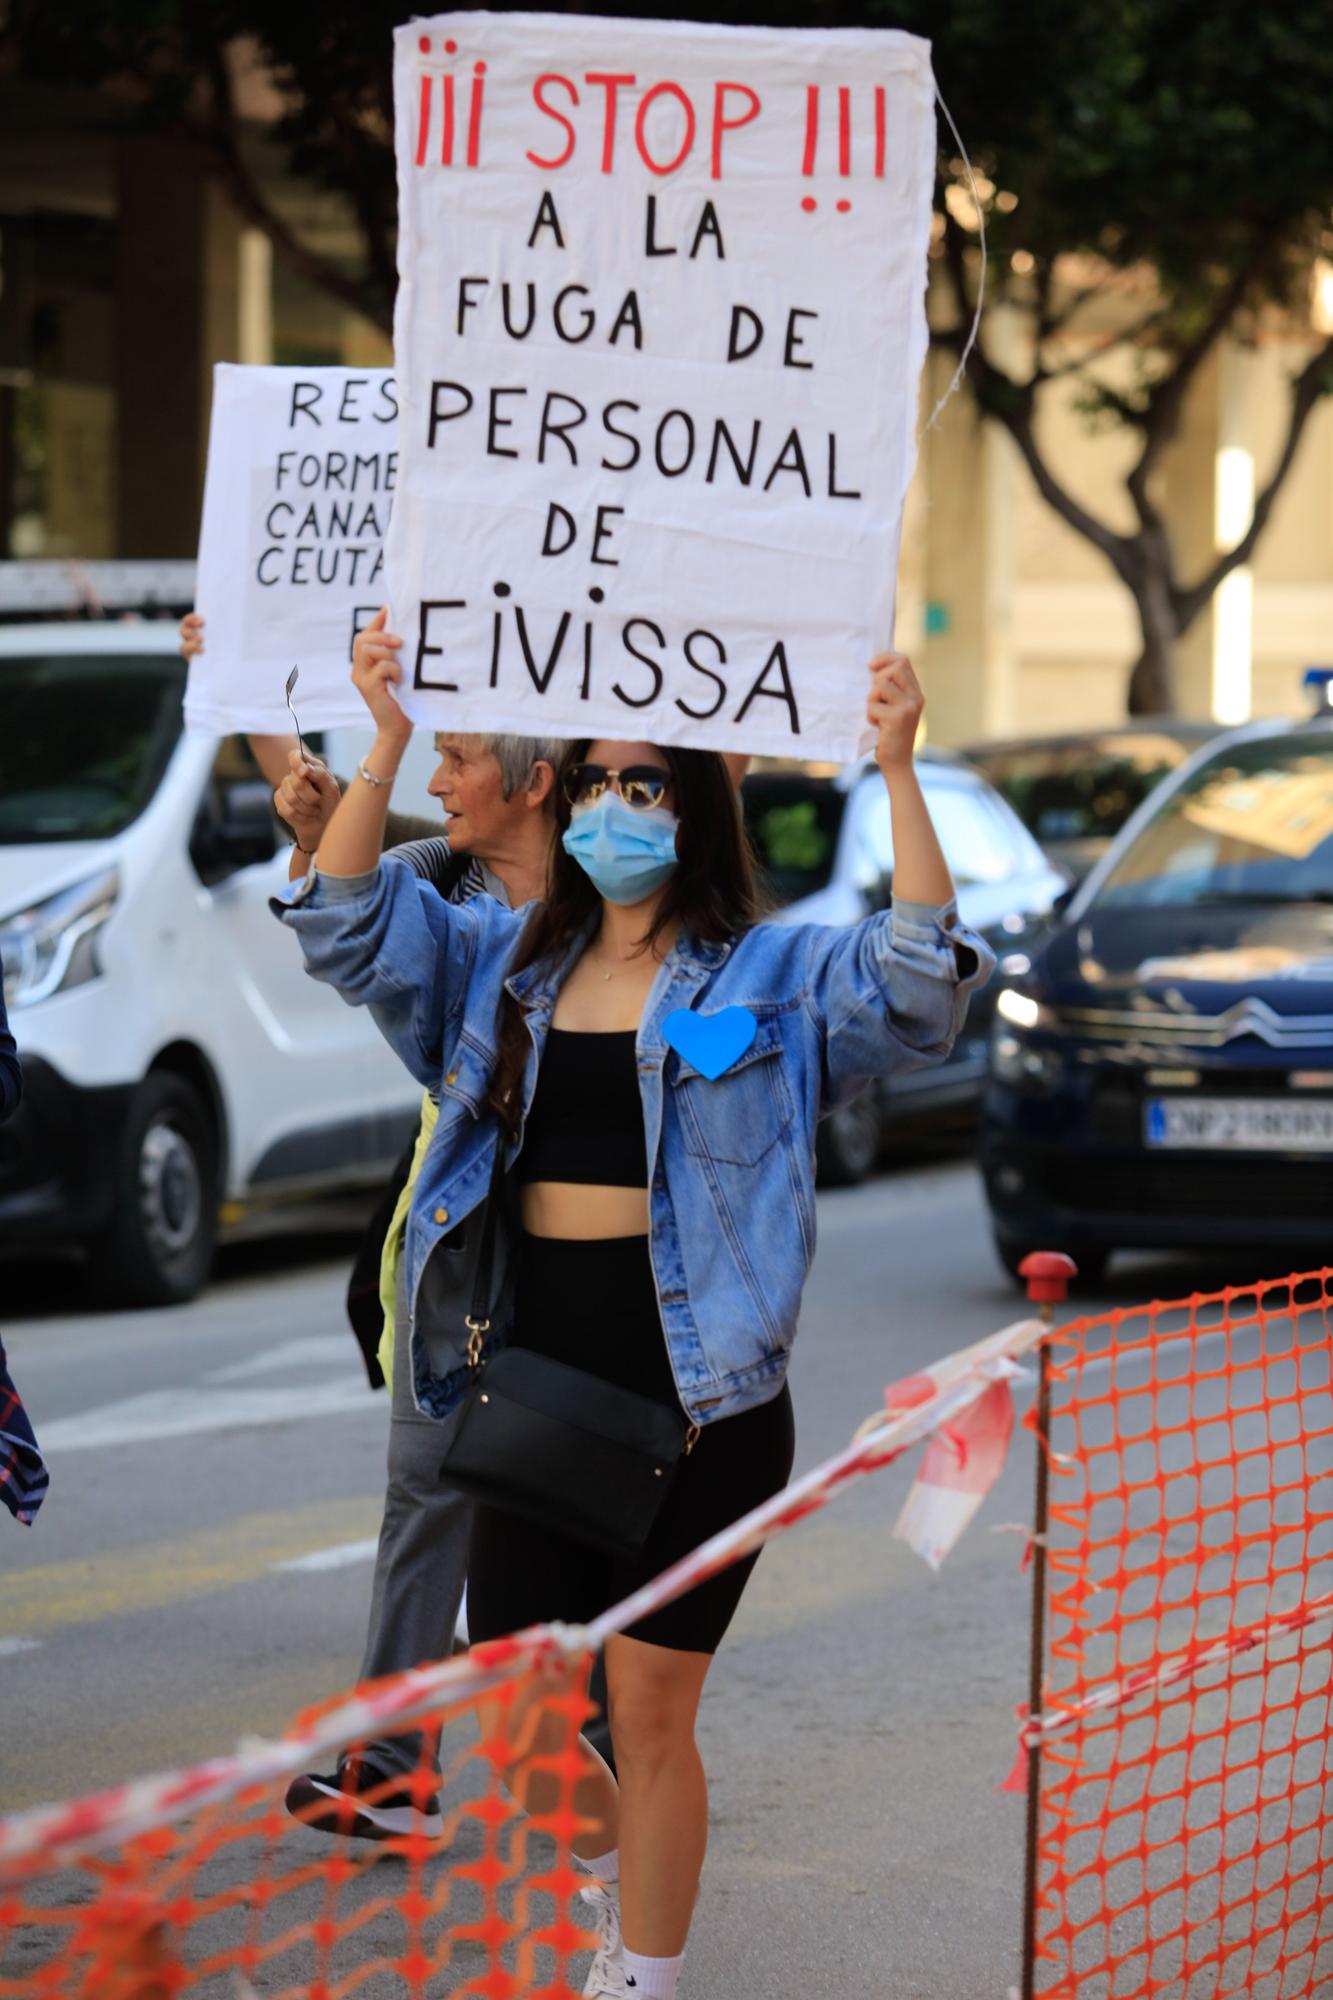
x=478, y=1322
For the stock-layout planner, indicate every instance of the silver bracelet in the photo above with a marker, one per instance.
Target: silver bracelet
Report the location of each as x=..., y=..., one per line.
x=370, y=777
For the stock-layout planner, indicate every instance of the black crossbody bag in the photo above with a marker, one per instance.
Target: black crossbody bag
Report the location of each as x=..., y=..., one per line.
x=554, y=1444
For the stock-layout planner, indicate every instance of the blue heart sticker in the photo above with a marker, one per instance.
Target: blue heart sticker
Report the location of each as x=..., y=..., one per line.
x=711, y=1042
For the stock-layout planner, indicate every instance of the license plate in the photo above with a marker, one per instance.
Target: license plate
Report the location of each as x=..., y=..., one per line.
x=1250, y=1124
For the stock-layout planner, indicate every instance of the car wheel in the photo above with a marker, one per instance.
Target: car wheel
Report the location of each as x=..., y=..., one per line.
x=1091, y=1263
x=848, y=1141
x=158, y=1246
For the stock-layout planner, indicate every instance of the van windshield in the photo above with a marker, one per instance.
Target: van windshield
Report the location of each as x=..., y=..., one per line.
x=85, y=742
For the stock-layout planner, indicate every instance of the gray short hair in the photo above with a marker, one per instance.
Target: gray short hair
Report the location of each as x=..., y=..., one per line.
x=516, y=756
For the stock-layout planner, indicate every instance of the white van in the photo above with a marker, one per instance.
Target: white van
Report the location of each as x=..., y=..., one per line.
x=179, y=1065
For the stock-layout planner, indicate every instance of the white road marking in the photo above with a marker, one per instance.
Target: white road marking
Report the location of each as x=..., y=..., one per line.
x=335, y=1558
x=319, y=1351
x=11, y=1646
x=188, y=1412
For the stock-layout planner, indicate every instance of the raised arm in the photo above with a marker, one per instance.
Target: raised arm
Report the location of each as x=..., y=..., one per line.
x=387, y=940
x=891, y=992
x=894, y=710
x=372, y=928
x=352, y=841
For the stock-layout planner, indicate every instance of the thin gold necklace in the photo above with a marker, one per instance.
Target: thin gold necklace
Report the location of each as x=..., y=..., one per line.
x=600, y=960
x=654, y=949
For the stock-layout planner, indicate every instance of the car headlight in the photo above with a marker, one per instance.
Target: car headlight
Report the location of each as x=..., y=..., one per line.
x=1020, y=1009
x=1015, y=1061
x=51, y=945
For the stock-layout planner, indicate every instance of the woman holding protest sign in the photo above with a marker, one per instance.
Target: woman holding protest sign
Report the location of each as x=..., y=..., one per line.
x=631, y=1076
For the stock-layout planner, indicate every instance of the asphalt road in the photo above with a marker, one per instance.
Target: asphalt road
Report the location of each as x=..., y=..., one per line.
x=200, y=1572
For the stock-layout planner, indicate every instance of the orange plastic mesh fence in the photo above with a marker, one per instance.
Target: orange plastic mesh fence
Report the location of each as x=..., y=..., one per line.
x=241, y=1899
x=1186, y=1845
x=199, y=1882
x=1186, y=1786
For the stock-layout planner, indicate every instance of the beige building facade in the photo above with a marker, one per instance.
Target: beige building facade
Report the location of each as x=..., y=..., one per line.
x=1023, y=627
x=126, y=272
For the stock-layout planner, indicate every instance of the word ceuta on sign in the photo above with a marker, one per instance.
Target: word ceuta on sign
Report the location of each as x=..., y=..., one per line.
x=660, y=325
x=302, y=464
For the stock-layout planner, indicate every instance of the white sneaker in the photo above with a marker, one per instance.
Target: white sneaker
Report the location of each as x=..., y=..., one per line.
x=606, y=1974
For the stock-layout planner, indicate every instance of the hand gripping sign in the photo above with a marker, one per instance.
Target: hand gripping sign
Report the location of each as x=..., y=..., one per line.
x=302, y=464
x=660, y=325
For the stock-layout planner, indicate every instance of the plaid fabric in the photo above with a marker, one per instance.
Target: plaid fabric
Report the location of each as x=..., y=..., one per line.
x=23, y=1474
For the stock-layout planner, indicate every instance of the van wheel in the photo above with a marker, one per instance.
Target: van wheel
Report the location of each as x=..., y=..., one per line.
x=158, y=1246
x=848, y=1141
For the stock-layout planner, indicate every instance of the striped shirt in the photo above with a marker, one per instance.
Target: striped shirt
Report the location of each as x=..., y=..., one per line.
x=458, y=877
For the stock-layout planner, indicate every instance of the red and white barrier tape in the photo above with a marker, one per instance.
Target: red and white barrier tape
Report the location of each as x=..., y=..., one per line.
x=924, y=1406
x=53, y=1836
x=1035, y=1731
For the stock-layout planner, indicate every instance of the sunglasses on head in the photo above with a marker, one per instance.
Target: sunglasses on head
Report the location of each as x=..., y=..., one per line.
x=641, y=786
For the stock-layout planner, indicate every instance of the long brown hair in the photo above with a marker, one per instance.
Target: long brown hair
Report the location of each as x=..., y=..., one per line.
x=710, y=893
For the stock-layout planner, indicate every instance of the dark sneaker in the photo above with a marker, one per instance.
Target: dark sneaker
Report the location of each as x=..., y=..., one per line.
x=355, y=1803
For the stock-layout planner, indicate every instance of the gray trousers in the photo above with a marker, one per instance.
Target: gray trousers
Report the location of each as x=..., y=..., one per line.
x=421, y=1563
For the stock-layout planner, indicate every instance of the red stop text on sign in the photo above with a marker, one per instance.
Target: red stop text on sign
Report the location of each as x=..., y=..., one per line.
x=725, y=109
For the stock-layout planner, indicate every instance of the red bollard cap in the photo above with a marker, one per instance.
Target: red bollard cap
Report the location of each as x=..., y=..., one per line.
x=1048, y=1273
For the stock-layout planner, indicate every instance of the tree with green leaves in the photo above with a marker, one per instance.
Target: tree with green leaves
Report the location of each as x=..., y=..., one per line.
x=1161, y=172
x=1154, y=175
x=175, y=64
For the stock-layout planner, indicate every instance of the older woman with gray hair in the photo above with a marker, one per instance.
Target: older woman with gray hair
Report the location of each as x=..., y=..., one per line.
x=495, y=792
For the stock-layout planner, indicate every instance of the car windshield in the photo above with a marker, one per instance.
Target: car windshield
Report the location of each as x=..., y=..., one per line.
x=793, y=822
x=1083, y=791
x=85, y=742
x=980, y=841
x=1255, y=824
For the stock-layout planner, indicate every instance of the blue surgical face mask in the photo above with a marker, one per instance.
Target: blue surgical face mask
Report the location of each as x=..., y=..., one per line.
x=626, y=854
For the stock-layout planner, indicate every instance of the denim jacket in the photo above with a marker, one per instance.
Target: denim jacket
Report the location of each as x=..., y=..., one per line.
x=730, y=1162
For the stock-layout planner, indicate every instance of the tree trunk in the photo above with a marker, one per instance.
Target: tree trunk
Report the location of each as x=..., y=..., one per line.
x=1152, y=680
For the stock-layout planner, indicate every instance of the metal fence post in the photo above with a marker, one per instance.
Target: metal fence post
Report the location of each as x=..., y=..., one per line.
x=1047, y=1274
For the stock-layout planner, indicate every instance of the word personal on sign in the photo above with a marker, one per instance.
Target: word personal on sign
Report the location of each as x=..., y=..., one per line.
x=302, y=468
x=659, y=334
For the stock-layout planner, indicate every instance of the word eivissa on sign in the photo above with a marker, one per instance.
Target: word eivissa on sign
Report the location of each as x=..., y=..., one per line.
x=659, y=334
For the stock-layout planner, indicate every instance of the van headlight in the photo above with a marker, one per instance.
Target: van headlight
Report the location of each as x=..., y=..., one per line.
x=52, y=945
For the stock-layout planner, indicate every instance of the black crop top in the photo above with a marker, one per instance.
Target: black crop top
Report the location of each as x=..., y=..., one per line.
x=586, y=1121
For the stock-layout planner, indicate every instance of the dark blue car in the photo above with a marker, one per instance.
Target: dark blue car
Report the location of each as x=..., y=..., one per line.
x=1161, y=1066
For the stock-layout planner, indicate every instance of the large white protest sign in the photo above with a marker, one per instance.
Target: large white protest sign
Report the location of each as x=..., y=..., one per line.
x=301, y=470
x=660, y=325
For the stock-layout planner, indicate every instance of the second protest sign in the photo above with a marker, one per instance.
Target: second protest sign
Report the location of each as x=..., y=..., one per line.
x=301, y=471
